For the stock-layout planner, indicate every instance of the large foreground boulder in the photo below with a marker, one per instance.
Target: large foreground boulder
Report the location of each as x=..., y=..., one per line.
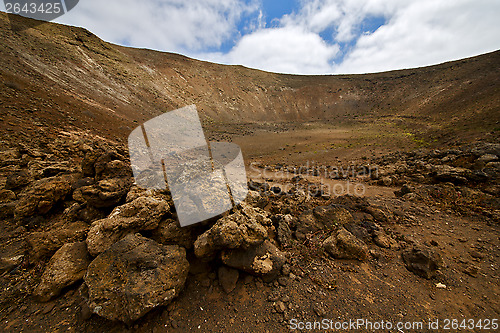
x=133, y=276
x=144, y=213
x=67, y=266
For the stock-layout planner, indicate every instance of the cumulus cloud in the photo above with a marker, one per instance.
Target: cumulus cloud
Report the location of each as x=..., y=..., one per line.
x=169, y=25
x=415, y=33
x=282, y=50
x=425, y=33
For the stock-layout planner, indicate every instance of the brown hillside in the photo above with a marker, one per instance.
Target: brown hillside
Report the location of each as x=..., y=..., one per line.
x=67, y=77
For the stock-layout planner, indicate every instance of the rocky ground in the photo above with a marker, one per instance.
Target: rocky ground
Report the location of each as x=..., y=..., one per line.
x=84, y=249
x=379, y=225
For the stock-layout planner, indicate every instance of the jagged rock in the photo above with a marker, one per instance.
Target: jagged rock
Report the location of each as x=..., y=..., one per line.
x=13, y=255
x=322, y=217
x=134, y=276
x=243, y=228
x=170, y=232
x=144, y=213
x=256, y=200
x=257, y=186
x=457, y=175
x=344, y=245
x=484, y=148
x=9, y=157
x=423, y=262
x=378, y=214
x=45, y=169
x=88, y=162
x=137, y=191
x=111, y=165
x=380, y=238
x=46, y=243
x=284, y=232
x=67, y=266
x=7, y=196
x=90, y=214
x=385, y=181
x=486, y=158
x=228, y=277
x=7, y=209
x=18, y=180
x=42, y=196
x=351, y=202
x=264, y=260
x=82, y=182
x=405, y=189
x=70, y=214
x=106, y=193
x=9, y=263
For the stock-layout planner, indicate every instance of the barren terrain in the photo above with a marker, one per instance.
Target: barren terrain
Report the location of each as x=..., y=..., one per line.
x=372, y=196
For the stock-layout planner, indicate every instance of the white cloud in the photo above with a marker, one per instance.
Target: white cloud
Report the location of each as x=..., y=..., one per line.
x=425, y=33
x=169, y=25
x=282, y=50
x=416, y=32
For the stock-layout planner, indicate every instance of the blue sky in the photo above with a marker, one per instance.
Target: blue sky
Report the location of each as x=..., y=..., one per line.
x=300, y=36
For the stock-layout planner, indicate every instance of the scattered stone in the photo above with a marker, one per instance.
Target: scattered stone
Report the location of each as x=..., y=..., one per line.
x=133, y=276
x=284, y=233
x=405, y=189
x=475, y=254
x=111, y=165
x=285, y=269
x=280, y=307
x=10, y=262
x=385, y=181
x=381, y=239
x=423, y=262
x=319, y=310
x=471, y=270
x=7, y=209
x=228, y=277
x=440, y=285
x=67, y=266
x=45, y=169
x=264, y=260
x=282, y=280
x=344, y=245
x=255, y=199
x=7, y=196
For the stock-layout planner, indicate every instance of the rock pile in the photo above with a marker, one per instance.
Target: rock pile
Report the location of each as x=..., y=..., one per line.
x=91, y=223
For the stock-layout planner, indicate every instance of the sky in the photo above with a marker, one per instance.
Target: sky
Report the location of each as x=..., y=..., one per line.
x=299, y=36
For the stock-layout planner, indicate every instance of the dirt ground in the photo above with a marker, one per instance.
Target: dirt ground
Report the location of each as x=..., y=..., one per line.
x=313, y=286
